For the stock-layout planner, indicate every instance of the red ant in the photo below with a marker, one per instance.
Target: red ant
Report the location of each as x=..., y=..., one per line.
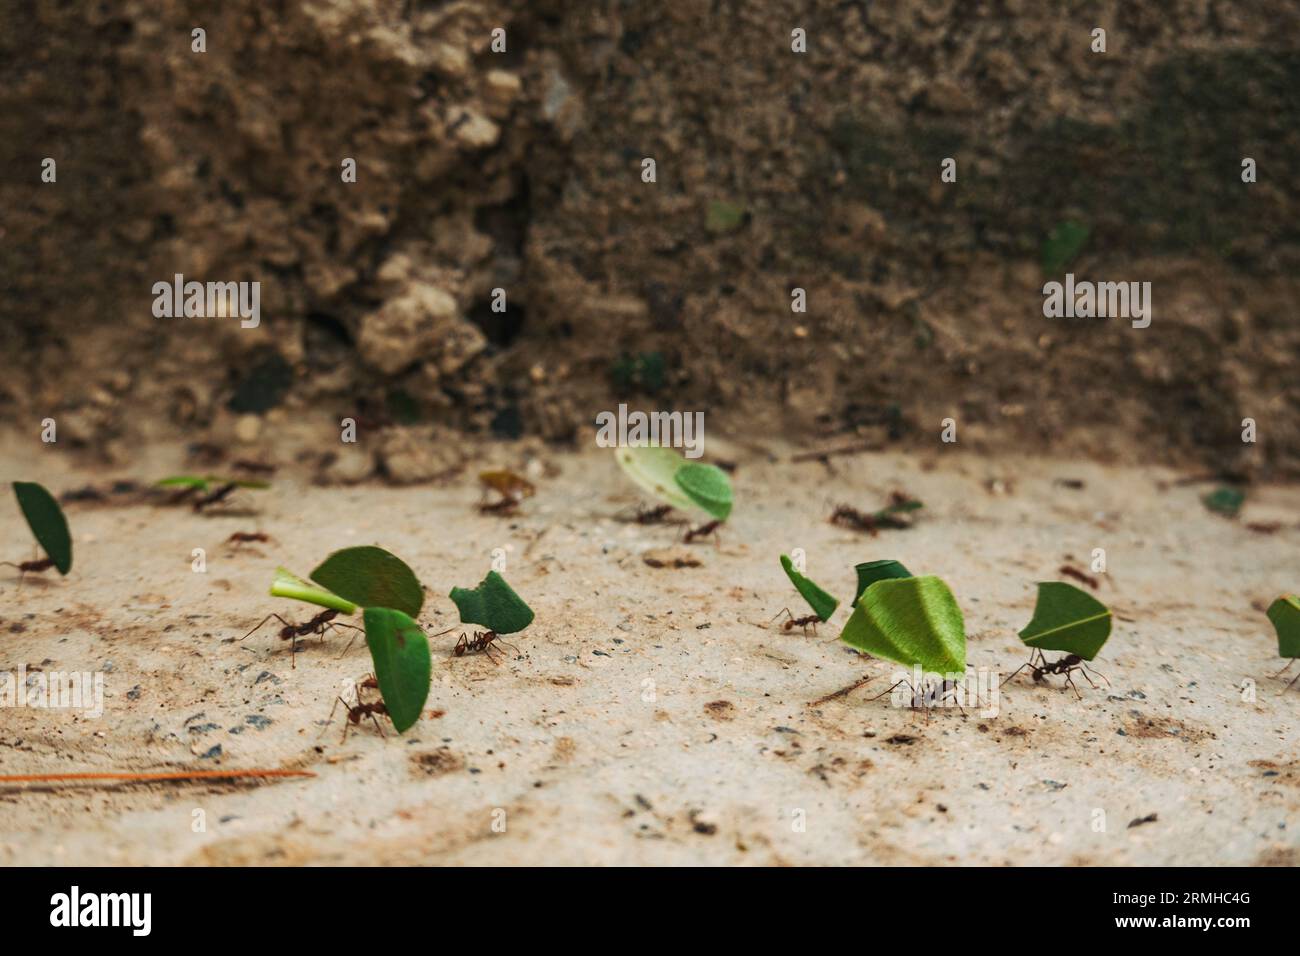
x=1065, y=665
x=887, y=517
x=481, y=642
x=361, y=709
x=37, y=566
x=654, y=515
x=291, y=631
x=709, y=528
x=812, y=620
x=245, y=537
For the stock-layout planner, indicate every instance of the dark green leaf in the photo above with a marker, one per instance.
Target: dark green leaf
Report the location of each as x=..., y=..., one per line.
x=1285, y=615
x=872, y=571
x=823, y=604
x=45, y=518
x=1062, y=245
x=913, y=621
x=401, y=655
x=493, y=604
x=371, y=577
x=1067, y=619
x=1225, y=501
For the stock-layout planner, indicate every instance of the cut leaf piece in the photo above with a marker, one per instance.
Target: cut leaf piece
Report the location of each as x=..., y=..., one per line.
x=1067, y=619
x=371, y=577
x=203, y=483
x=493, y=604
x=870, y=572
x=823, y=604
x=1285, y=615
x=1225, y=501
x=289, y=585
x=45, y=518
x=653, y=468
x=913, y=621
x=708, y=486
x=400, y=652
x=1062, y=245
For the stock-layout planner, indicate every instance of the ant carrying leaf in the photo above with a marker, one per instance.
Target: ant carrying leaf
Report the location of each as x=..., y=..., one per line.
x=822, y=603
x=493, y=604
x=204, y=492
x=48, y=525
x=361, y=709
x=1065, y=619
x=1285, y=615
x=891, y=516
x=679, y=483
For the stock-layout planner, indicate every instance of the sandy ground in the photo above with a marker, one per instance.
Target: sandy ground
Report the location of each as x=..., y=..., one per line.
x=652, y=715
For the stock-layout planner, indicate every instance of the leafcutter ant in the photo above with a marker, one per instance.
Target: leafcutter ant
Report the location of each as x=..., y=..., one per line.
x=929, y=695
x=361, y=709
x=1070, y=571
x=247, y=537
x=291, y=632
x=32, y=567
x=480, y=643
x=791, y=622
x=1041, y=668
x=656, y=515
x=887, y=517
x=704, y=530
x=512, y=488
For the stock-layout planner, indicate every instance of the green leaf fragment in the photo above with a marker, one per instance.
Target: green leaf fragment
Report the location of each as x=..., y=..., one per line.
x=1225, y=501
x=652, y=468
x=289, y=585
x=723, y=217
x=371, y=577
x=45, y=518
x=912, y=621
x=708, y=486
x=493, y=604
x=1062, y=245
x=1285, y=615
x=870, y=572
x=823, y=604
x=1067, y=619
x=400, y=652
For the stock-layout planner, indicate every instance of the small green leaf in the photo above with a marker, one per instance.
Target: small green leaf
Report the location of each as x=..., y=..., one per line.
x=401, y=655
x=653, y=468
x=723, y=217
x=371, y=577
x=289, y=585
x=872, y=571
x=1067, y=619
x=184, y=481
x=1285, y=615
x=708, y=486
x=45, y=518
x=913, y=621
x=493, y=604
x=823, y=604
x=1225, y=501
x=1062, y=245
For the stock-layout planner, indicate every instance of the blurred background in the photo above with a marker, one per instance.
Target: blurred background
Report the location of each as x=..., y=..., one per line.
x=522, y=170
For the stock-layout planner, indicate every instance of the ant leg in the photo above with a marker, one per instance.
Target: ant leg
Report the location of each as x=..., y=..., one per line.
x=1028, y=663
x=1069, y=681
x=351, y=642
x=264, y=620
x=1278, y=674
x=785, y=611
x=1291, y=684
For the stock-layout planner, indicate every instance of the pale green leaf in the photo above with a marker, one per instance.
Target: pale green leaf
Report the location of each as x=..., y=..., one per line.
x=653, y=469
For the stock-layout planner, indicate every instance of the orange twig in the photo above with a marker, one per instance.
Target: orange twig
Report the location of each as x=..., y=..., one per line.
x=180, y=775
